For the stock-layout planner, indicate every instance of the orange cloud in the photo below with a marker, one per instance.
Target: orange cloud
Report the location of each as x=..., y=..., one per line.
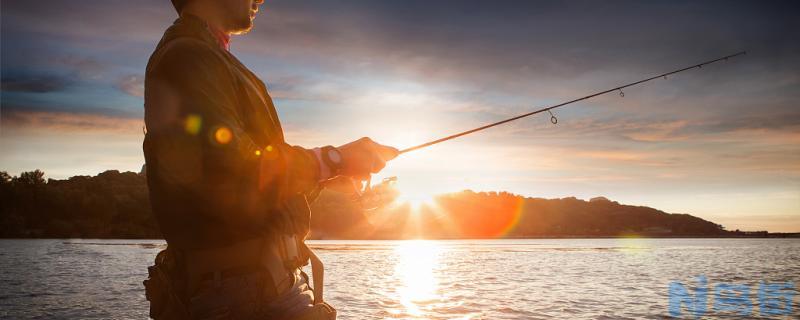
x=658, y=132
x=70, y=122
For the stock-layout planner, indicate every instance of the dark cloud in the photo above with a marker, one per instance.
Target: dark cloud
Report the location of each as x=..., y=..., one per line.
x=520, y=48
x=34, y=84
x=789, y=121
x=510, y=45
x=92, y=39
x=57, y=73
x=93, y=21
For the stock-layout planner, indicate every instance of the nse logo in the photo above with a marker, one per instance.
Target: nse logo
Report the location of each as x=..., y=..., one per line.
x=771, y=298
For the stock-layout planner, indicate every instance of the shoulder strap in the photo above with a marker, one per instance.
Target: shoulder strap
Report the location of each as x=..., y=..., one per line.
x=318, y=270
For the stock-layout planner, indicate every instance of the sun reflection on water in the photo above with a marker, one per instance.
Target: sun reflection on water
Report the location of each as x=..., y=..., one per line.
x=416, y=269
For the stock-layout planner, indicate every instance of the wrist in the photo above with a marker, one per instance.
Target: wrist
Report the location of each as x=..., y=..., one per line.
x=330, y=162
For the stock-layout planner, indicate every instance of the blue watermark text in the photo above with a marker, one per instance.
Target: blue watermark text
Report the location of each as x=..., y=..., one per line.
x=730, y=298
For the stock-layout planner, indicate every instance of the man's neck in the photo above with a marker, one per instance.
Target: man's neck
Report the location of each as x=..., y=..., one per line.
x=214, y=26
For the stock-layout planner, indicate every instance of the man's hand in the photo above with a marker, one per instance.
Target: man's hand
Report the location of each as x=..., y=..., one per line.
x=344, y=184
x=363, y=157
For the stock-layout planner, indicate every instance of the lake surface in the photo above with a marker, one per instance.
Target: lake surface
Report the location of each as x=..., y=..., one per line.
x=480, y=279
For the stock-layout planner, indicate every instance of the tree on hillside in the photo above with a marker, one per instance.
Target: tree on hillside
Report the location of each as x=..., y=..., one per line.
x=35, y=177
x=4, y=178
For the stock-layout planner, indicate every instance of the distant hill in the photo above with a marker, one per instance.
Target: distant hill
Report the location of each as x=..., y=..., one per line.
x=116, y=205
x=476, y=215
x=109, y=205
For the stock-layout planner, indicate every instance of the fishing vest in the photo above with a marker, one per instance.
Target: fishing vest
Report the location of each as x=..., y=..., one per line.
x=229, y=194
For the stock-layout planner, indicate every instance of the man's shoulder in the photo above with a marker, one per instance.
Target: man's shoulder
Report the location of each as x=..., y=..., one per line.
x=186, y=41
x=184, y=51
x=188, y=48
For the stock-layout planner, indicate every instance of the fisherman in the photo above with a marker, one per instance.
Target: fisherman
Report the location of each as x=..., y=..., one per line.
x=229, y=194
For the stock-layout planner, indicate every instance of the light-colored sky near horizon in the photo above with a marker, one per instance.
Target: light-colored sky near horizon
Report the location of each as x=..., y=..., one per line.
x=721, y=143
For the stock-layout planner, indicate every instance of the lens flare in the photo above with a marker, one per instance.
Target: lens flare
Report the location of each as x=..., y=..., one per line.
x=192, y=124
x=223, y=135
x=484, y=219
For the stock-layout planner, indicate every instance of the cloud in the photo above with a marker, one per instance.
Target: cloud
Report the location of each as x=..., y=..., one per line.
x=132, y=85
x=305, y=88
x=51, y=74
x=65, y=122
x=83, y=67
x=624, y=156
x=93, y=21
x=511, y=47
x=659, y=132
x=34, y=84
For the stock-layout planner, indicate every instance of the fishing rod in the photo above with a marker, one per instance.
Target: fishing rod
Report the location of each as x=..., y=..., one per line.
x=367, y=188
x=553, y=118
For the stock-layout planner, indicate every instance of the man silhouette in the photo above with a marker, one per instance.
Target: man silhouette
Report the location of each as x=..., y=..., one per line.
x=229, y=194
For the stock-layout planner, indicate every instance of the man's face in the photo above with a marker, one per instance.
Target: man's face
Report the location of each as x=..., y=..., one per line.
x=239, y=14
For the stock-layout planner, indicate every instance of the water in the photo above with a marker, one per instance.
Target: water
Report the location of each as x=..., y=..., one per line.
x=487, y=279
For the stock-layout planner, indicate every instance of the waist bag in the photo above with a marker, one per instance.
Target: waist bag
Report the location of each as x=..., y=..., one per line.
x=162, y=288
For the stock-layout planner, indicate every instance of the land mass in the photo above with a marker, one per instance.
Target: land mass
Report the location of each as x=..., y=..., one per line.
x=116, y=205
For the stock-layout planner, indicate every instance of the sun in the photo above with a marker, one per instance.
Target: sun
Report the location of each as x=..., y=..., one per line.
x=413, y=195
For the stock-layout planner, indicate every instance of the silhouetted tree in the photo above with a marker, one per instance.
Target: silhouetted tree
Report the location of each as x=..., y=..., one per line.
x=35, y=177
x=4, y=178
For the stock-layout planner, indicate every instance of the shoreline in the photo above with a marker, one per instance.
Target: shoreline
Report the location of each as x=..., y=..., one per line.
x=793, y=235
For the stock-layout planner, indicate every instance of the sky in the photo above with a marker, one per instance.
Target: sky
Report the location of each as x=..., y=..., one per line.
x=721, y=142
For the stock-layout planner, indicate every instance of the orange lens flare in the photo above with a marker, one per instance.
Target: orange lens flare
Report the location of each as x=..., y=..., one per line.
x=480, y=219
x=223, y=135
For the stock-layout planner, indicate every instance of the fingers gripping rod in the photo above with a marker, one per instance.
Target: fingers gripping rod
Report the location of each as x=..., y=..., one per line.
x=553, y=119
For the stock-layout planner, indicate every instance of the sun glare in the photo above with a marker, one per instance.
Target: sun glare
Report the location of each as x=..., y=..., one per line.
x=415, y=198
x=415, y=268
x=414, y=193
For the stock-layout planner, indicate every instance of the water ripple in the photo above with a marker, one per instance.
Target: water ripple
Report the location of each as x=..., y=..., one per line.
x=493, y=279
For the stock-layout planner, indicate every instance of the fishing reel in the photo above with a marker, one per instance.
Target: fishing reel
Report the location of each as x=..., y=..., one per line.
x=369, y=196
x=373, y=197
